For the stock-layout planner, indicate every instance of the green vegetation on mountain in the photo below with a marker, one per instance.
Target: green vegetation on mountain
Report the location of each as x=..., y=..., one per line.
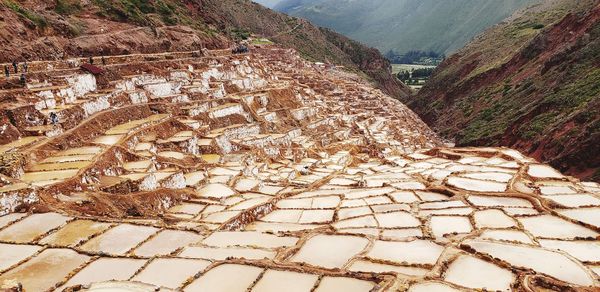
x=532, y=83
x=46, y=30
x=399, y=26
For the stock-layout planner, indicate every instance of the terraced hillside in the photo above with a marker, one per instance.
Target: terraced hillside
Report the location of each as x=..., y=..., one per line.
x=60, y=28
x=540, y=95
x=183, y=171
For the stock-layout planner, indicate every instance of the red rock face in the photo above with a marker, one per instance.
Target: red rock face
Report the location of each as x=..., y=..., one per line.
x=534, y=89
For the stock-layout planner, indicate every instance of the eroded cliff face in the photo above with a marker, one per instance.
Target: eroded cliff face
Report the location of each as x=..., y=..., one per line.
x=530, y=83
x=57, y=29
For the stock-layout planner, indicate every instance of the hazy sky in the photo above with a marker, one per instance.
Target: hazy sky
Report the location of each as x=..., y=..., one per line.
x=268, y=3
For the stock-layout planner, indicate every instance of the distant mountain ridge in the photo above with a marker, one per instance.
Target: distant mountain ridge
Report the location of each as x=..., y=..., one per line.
x=405, y=25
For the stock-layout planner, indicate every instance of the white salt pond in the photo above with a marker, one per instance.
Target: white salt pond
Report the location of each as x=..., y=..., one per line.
x=543, y=171
x=493, y=218
x=586, y=251
x=75, y=232
x=477, y=185
x=507, y=235
x=330, y=251
x=587, y=215
x=443, y=225
x=166, y=242
x=108, y=140
x=432, y=286
x=497, y=201
x=344, y=284
x=217, y=191
x=276, y=281
x=239, y=238
x=32, y=227
x=12, y=254
x=412, y=252
x=475, y=273
x=540, y=260
x=370, y=267
x=106, y=269
x=222, y=253
x=120, y=239
x=170, y=273
x=548, y=226
x=219, y=279
x=44, y=271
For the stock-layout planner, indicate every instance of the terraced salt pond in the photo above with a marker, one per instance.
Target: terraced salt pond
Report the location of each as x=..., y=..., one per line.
x=106, y=269
x=219, y=254
x=484, y=275
x=258, y=239
x=344, y=284
x=170, y=273
x=12, y=254
x=412, y=252
x=42, y=178
x=587, y=215
x=330, y=251
x=108, y=140
x=219, y=278
x=303, y=180
x=75, y=232
x=120, y=239
x=546, y=226
x=370, y=267
x=32, y=227
x=273, y=280
x=166, y=242
x=43, y=271
x=552, y=263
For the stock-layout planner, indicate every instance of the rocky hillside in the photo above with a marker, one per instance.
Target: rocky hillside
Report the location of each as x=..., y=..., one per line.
x=406, y=25
x=532, y=83
x=60, y=28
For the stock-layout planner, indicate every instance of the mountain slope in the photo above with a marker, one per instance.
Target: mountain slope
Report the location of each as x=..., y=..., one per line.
x=60, y=28
x=541, y=94
x=405, y=25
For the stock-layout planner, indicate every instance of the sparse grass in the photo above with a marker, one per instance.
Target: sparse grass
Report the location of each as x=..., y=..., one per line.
x=38, y=20
x=577, y=93
x=262, y=41
x=122, y=10
x=167, y=12
x=240, y=34
x=138, y=11
x=537, y=125
x=76, y=28
x=67, y=7
x=481, y=129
